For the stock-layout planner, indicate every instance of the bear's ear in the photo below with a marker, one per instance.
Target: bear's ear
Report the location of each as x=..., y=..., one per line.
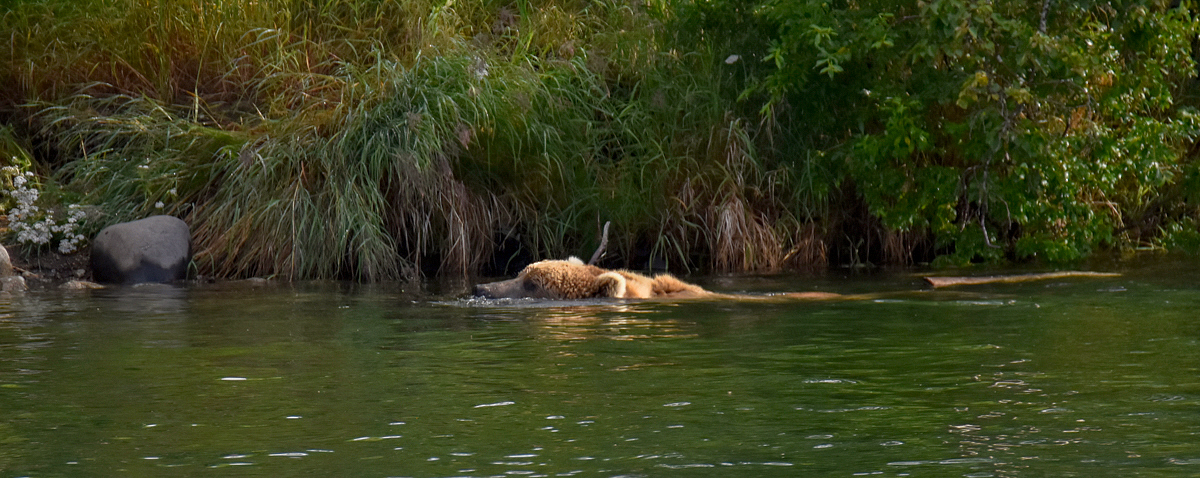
x=610, y=284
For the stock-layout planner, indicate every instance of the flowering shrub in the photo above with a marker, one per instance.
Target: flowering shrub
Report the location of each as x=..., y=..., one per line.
x=31, y=225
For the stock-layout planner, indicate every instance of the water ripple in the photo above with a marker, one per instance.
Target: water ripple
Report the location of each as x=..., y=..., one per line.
x=497, y=404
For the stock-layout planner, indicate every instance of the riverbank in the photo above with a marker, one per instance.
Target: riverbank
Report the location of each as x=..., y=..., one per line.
x=49, y=269
x=379, y=141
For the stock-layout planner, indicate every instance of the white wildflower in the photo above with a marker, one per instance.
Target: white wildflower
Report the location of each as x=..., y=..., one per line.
x=32, y=226
x=480, y=68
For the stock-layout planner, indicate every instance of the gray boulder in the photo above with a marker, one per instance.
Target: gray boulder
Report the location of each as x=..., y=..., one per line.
x=12, y=284
x=154, y=249
x=9, y=282
x=6, y=268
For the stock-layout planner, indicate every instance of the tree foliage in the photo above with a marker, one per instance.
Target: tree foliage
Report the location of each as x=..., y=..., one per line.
x=1000, y=129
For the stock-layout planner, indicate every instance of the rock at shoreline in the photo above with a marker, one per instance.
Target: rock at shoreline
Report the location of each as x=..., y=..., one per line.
x=9, y=282
x=79, y=285
x=6, y=268
x=155, y=249
x=12, y=284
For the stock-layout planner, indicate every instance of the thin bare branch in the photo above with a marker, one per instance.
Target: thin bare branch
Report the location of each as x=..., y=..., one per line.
x=603, y=244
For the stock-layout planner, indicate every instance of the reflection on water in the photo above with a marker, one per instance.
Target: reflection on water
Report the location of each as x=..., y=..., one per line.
x=1065, y=378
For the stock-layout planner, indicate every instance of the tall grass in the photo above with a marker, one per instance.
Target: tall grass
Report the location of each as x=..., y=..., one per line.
x=380, y=140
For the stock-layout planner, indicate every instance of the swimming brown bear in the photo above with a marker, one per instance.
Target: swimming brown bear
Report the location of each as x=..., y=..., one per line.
x=572, y=279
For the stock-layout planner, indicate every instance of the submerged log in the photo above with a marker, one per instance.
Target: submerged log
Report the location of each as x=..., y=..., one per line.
x=967, y=280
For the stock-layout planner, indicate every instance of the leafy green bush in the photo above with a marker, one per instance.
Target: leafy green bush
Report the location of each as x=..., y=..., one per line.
x=1013, y=129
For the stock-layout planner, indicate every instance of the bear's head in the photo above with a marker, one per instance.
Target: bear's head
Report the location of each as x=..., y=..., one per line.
x=569, y=279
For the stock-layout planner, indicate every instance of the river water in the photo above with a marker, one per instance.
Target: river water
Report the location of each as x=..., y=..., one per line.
x=1070, y=377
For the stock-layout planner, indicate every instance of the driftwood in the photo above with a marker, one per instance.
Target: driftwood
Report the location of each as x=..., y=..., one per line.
x=953, y=281
x=603, y=244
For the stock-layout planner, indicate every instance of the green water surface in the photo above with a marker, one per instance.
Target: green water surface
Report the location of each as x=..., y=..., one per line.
x=1079, y=377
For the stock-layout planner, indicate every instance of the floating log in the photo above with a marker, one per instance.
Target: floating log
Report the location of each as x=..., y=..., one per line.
x=953, y=281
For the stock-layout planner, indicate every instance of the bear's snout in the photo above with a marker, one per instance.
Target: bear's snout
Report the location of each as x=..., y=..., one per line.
x=505, y=289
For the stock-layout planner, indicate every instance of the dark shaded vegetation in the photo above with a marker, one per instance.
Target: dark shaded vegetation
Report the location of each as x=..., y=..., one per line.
x=381, y=139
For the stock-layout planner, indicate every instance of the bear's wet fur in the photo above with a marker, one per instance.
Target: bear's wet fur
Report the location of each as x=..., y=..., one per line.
x=572, y=279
